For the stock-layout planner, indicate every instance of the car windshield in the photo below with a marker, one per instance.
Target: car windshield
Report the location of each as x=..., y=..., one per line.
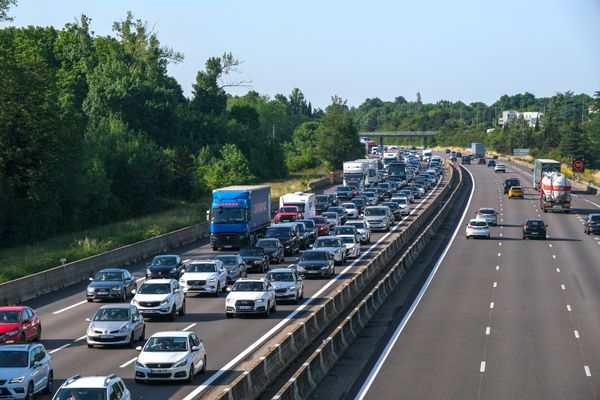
x=109, y=276
x=314, y=255
x=12, y=359
x=391, y=205
x=250, y=252
x=165, y=343
x=595, y=218
x=516, y=188
x=80, y=394
x=155, y=288
x=535, y=223
x=351, y=206
x=278, y=231
x=112, y=314
x=345, y=230
x=348, y=239
x=164, y=260
x=288, y=209
x=486, y=211
x=374, y=211
x=280, y=277
x=228, y=260
x=357, y=225
x=327, y=243
x=228, y=215
x=321, y=199
x=241, y=286
x=201, y=267
x=329, y=215
x=267, y=243
x=478, y=223
x=9, y=317
x=369, y=194
x=308, y=223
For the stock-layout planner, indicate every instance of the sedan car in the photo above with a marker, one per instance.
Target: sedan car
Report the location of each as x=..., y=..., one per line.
x=362, y=227
x=25, y=370
x=204, y=276
x=592, y=224
x=317, y=263
x=489, y=215
x=256, y=258
x=169, y=356
x=235, y=265
x=273, y=248
x=341, y=212
x=165, y=266
x=478, y=228
x=352, y=245
x=19, y=324
x=346, y=230
x=111, y=284
x=534, y=228
x=334, y=245
x=251, y=296
x=287, y=283
x=500, y=168
x=116, y=324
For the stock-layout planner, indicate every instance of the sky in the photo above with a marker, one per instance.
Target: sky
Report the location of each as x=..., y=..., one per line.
x=472, y=50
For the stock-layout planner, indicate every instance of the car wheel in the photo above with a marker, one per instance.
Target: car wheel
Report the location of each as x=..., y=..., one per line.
x=38, y=335
x=274, y=308
x=216, y=293
x=124, y=296
x=90, y=346
x=524, y=237
x=22, y=339
x=302, y=293
x=467, y=236
x=90, y=300
x=49, y=383
x=268, y=312
x=182, y=310
x=131, y=342
x=172, y=313
x=203, y=370
x=224, y=288
x=138, y=381
x=228, y=315
x=587, y=232
x=29, y=395
x=190, y=377
x=143, y=334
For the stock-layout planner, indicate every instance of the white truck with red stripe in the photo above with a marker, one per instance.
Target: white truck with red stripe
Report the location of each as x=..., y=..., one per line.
x=555, y=188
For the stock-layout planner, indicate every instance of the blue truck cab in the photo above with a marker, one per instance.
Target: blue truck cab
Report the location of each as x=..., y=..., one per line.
x=239, y=215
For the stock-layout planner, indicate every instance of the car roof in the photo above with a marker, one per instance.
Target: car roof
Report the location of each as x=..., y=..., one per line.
x=315, y=250
x=18, y=346
x=348, y=236
x=263, y=280
x=486, y=209
x=112, y=269
x=121, y=305
x=16, y=308
x=88, y=382
x=172, y=334
x=280, y=270
x=594, y=215
x=534, y=219
x=478, y=220
x=160, y=280
x=166, y=255
x=284, y=225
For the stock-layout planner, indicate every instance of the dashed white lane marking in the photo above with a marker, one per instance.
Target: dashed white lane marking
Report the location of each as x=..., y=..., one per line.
x=558, y=270
x=587, y=370
x=576, y=333
x=499, y=254
x=492, y=304
x=495, y=284
x=80, y=339
x=189, y=327
x=550, y=245
x=64, y=346
x=487, y=330
x=563, y=287
x=568, y=308
x=499, y=243
x=554, y=256
x=500, y=234
x=127, y=363
x=574, y=195
x=482, y=367
x=596, y=238
x=69, y=307
x=497, y=267
x=501, y=220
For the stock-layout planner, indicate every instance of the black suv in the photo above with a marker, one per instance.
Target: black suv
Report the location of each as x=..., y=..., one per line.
x=165, y=266
x=111, y=284
x=256, y=258
x=321, y=203
x=534, y=228
x=344, y=193
x=466, y=160
x=510, y=182
x=288, y=236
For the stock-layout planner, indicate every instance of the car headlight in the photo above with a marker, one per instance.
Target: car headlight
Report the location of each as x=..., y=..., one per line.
x=116, y=289
x=148, y=272
x=166, y=301
x=211, y=280
x=256, y=262
x=173, y=270
x=260, y=300
x=139, y=364
x=90, y=328
x=299, y=268
x=12, y=333
x=292, y=288
x=181, y=363
x=17, y=379
x=134, y=301
x=325, y=267
x=90, y=290
x=124, y=329
x=338, y=250
x=229, y=301
x=182, y=281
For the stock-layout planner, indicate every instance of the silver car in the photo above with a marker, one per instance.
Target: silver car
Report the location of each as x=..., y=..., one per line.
x=235, y=266
x=489, y=215
x=335, y=247
x=363, y=230
x=116, y=324
x=25, y=369
x=288, y=284
x=379, y=217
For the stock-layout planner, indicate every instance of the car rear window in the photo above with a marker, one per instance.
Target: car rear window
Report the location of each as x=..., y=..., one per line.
x=478, y=223
x=595, y=218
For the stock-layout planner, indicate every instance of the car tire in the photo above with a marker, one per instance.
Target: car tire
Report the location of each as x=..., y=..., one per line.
x=124, y=296
x=29, y=394
x=190, y=377
x=224, y=288
x=182, y=309
x=90, y=346
x=215, y=248
x=216, y=293
x=49, y=383
x=203, y=370
x=524, y=237
x=228, y=315
x=38, y=335
x=467, y=237
x=172, y=313
x=131, y=342
x=143, y=334
x=268, y=312
x=138, y=381
x=22, y=338
x=90, y=300
x=274, y=308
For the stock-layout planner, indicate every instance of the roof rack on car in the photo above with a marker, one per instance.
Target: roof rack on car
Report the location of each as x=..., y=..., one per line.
x=109, y=378
x=71, y=379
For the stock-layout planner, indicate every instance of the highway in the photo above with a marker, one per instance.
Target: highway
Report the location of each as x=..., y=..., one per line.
x=502, y=318
x=227, y=341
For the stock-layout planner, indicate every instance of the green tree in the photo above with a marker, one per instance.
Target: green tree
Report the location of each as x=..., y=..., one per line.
x=230, y=169
x=4, y=6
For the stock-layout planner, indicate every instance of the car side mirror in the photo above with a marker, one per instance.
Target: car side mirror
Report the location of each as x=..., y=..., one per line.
x=546, y=225
x=196, y=348
x=133, y=291
x=139, y=348
x=228, y=289
x=88, y=320
x=90, y=279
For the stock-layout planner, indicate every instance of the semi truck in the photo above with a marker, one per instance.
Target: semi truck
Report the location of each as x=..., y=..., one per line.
x=478, y=149
x=555, y=192
x=371, y=165
x=354, y=174
x=239, y=215
x=306, y=202
x=541, y=166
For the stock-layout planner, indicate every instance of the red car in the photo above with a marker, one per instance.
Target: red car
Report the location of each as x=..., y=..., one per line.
x=19, y=324
x=288, y=214
x=322, y=225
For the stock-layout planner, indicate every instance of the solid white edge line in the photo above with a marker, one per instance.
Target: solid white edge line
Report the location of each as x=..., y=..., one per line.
x=390, y=344
x=227, y=367
x=69, y=307
x=189, y=326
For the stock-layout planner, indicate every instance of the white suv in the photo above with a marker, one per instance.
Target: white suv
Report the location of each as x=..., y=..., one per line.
x=93, y=387
x=205, y=276
x=251, y=296
x=25, y=369
x=160, y=297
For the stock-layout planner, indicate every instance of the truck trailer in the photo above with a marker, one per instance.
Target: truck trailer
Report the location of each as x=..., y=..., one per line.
x=541, y=166
x=354, y=174
x=478, y=149
x=306, y=202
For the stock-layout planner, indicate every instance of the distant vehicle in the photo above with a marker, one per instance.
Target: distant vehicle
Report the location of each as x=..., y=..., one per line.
x=179, y=354
x=346, y=229
x=592, y=223
x=343, y=193
x=362, y=228
x=165, y=266
x=555, y=193
x=306, y=202
x=491, y=163
x=316, y=262
x=19, y=324
x=453, y=159
x=288, y=284
x=477, y=228
x=341, y=212
x=322, y=203
x=481, y=161
x=235, y=265
x=352, y=244
x=516, y=191
x=395, y=209
x=204, y=276
x=311, y=228
x=489, y=215
x=354, y=173
x=466, y=160
x=379, y=217
x=322, y=225
x=333, y=219
x=251, y=296
x=534, y=228
x=238, y=215
x=542, y=166
x=273, y=248
x=160, y=298
x=478, y=149
x=303, y=235
x=288, y=236
x=458, y=154
x=116, y=324
x=334, y=245
x=93, y=387
x=288, y=214
x=111, y=284
x=510, y=182
x=351, y=210
x=500, y=168
x=447, y=151
x=256, y=258
x=25, y=370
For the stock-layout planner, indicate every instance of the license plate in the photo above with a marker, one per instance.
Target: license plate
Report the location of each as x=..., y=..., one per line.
x=245, y=307
x=159, y=371
x=105, y=336
x=227, y=246
x=148, y=311
x=313, y=272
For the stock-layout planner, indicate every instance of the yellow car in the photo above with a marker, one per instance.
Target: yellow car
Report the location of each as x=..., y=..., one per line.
x=516, y=191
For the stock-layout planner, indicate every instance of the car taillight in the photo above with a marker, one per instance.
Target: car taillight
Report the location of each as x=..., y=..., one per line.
x=469, y=226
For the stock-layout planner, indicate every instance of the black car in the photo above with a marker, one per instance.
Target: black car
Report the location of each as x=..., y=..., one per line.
x=592, y=223
x=322, y=203
x=510, y=182
x=458, y=154
x=481, y=161
x=343, y=193
x=111, y=284
x=287, y=235
x=333, y=200
x=255, y=258
x=534, y=228
x=316, y=263
x=395, y=209
x=466, y=160
x=273, y=248
x=311, y=228
x=360, y=203
x=304, y=235
x=165, y=266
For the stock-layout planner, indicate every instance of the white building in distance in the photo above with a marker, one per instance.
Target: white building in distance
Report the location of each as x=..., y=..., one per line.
x=532, y=117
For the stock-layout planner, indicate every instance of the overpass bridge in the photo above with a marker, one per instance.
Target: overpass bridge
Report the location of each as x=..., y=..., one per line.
x=404, y=134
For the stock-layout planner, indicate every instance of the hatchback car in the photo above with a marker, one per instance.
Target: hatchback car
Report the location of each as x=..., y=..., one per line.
x=362, y=227
x=287, y=283
x=481, y=161
x=273, y=248
x=500, y=168
x=160, y=298
x=379, y=217
x=592, y=224
x=235, y=265
x=119, y=324
x=491, y=163
x=534, y=228
x=111, y=284
x=477, y=228
x=19, y=324
x=516, y=191
x=489, y=215
x=351, y=210
x=168, y=356
x=352, y=245
x=93, y=387
x=165, y=266
x=25, y=369
x=251, y=296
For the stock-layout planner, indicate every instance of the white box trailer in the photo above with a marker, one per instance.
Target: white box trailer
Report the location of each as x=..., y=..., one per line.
x=371, y=168
x=304, y=201
x=355, y=174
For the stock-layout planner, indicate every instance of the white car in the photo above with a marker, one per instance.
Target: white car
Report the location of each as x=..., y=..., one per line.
x=351, y=210
x=288, y=284
x=489, y=215
x=335, y=247
x=403, y=203
x=478, y=228
x=160, y=298
x=25, y=369
x=168, y=356
x=363, y=230
x=116, y=324
x=250, y=296
x=204, y=276
x=352, y=245
x=379, y=217
x=93, y=387
x=500, y=168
